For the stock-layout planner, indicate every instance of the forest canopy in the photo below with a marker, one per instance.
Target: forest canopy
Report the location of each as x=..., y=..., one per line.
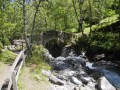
x=20, y=18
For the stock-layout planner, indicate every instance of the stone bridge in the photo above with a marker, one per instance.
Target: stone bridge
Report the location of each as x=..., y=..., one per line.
x=64, y=37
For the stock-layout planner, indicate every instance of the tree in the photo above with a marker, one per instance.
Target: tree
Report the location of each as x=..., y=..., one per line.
x=90, y=14
x=25, y=30
x=34, y=19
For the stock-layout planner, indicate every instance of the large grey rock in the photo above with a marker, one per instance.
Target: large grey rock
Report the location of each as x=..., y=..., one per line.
x=75, y=60
x=46, y=72
x=103, y=84
x=60, y=65
x=60, y=58
x=85, y=79
x=53, y=79
x=65, y=74
x=61, y=88
x=75, y=81
x=48, y=55
x=90, y=86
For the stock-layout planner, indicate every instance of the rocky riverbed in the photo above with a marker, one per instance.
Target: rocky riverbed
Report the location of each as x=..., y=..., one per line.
x=77, y=73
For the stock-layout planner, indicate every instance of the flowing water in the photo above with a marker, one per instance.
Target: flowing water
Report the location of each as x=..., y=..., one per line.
x=69, y=64
x=111, y=74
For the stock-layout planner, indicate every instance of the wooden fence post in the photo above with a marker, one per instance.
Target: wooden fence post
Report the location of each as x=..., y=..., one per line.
x=23, y=57
x=14, y=82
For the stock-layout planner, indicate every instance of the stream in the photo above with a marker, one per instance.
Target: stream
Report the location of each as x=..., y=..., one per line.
x=112, y=75
x=72, y=72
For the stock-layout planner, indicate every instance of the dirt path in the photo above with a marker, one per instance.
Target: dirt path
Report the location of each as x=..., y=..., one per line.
x=25, y=82
x=4, y=71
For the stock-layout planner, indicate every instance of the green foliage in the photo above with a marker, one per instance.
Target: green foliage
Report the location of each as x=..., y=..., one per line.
x=37, y=62
x=6, y=41
x=7, y=56
x=10, y=22
x=37, y=56
x=106, y=41
x=109, y=12
x=52, y=15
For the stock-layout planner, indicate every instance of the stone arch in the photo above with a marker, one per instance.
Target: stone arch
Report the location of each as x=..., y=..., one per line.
x=55, y=47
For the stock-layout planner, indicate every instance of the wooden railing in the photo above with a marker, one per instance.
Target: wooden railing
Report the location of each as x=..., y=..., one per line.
x=15, y=70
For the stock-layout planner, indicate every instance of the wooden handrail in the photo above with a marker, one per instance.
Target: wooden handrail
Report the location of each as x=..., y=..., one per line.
x=13, y=76
x=16, y=61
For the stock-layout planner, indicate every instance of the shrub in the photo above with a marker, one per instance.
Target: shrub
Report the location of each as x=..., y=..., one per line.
x=7, y=56
x=106, y=41
x=37, y=62
x=37, y=58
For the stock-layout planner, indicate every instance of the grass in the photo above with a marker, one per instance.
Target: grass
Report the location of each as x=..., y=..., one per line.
x=7, y=56
x=27, y=82
x=21, y=85
x=37, y=62
x=32, y=72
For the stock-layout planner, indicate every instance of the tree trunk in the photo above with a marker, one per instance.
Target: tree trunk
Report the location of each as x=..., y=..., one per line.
x=25, y=30
x=55, y=23
x=80, y=17
x=34, y=19
x=90, y=9
x=46, y=25
x=76, y=14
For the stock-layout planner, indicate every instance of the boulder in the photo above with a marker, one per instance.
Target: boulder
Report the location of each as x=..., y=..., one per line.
x=75, y=80
x=90, y=86
x=100, y=57
x=75, y=60
x=104, y=84
x=46, y=72
x=60, y=66
x=53, y=79
x=60, y=58
x=85, y=79
x=66, y=74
